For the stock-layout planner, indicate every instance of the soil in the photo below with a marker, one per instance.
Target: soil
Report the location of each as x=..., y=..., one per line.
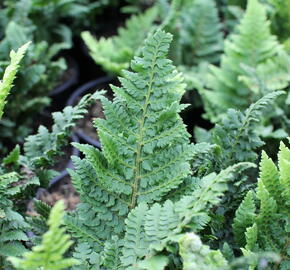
x=62, y=160
x=86, y=124
x=64, y=191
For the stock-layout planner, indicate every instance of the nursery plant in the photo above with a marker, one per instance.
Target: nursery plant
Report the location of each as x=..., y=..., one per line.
x=115, y=53
x=22, y=172
x=54, y=21
x=36, y=80
x=253, y=64
x=50, y=253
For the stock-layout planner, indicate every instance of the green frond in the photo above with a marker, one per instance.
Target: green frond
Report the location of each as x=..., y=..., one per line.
x=284, y=166
x=150, y=229
x=115, y=53
x=244, y=218
x=201, y=37
x=269, y=232
x=135, y=245
x=238, y=130
x=41, y=148
x=196, y=255
x=10, y=74
x=49, y=254
x=269, y=175
x=146, y=146
x=251, y=46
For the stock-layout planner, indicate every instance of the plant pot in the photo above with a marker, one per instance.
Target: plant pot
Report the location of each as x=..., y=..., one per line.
x=89, y=87
x=69, y=165
x=62, y=91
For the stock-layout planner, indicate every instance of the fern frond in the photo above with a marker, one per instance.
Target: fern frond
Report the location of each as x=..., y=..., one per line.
x=200, y=33
x=152, y=228
x=41, y=148
x=196, y=255
x=252, y=46
x=237, y=130
x=114, y=54
x=10, y=74
x=48, y=255
x=245, y=216
x=269, y=231
x=146, y=145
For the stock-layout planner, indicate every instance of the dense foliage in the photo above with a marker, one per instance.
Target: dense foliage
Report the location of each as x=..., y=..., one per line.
x=160, y=194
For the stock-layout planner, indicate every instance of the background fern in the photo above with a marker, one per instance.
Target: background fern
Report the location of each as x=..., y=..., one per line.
x=265, y=229
x=251, y=47
x=114, y=54
x=49, y=254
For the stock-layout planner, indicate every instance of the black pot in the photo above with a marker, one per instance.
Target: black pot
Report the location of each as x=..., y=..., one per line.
x=89, y=87
x=64, y=173
x=61, y=93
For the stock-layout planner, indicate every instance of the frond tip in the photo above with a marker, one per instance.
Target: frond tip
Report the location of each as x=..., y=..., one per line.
x=9, y=74
x=49, y=254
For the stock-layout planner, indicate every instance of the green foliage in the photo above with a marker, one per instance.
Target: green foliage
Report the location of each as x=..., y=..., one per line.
x=267, y=228
x=40, y=73
x=251, y=52
x=12, y=224
x=201, y=38
x=21, y=174
x=236, y=135
x=114, y=54
x=41, y=149
x=49, y=254
x=10, y=74
x=145, y=147
x=52, y=21
x=151, y=232
x=280, y=18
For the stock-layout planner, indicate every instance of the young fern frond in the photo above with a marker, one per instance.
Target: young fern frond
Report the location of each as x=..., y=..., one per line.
x=146, y=149
x=10, y=74
x=253, y=47
x=49, y=254
x=267, y=229
x=114, y=54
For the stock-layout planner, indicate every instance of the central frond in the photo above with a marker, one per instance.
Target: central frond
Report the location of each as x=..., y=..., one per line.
x=145, y=145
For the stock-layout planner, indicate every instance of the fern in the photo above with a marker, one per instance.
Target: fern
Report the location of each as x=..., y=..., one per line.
x=267, y=229
x=39, y=75
x=114, y=54
x=49, y=254
x=9, y=75
x=150, y=230
x=252, y=47
x=12, y=224
x=280, y=17
x=145, y=147
x=200, y=33
x=237, y=130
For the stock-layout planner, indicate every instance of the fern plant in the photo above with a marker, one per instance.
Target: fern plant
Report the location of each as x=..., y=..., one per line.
x=9, y=75
x=251, y=49
x=49, y=255
x=145, y=149
x=280, y=17
x=38, y=77
x=201, y=38
x=265, y=226
x=114, y=54
x=20, y=174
